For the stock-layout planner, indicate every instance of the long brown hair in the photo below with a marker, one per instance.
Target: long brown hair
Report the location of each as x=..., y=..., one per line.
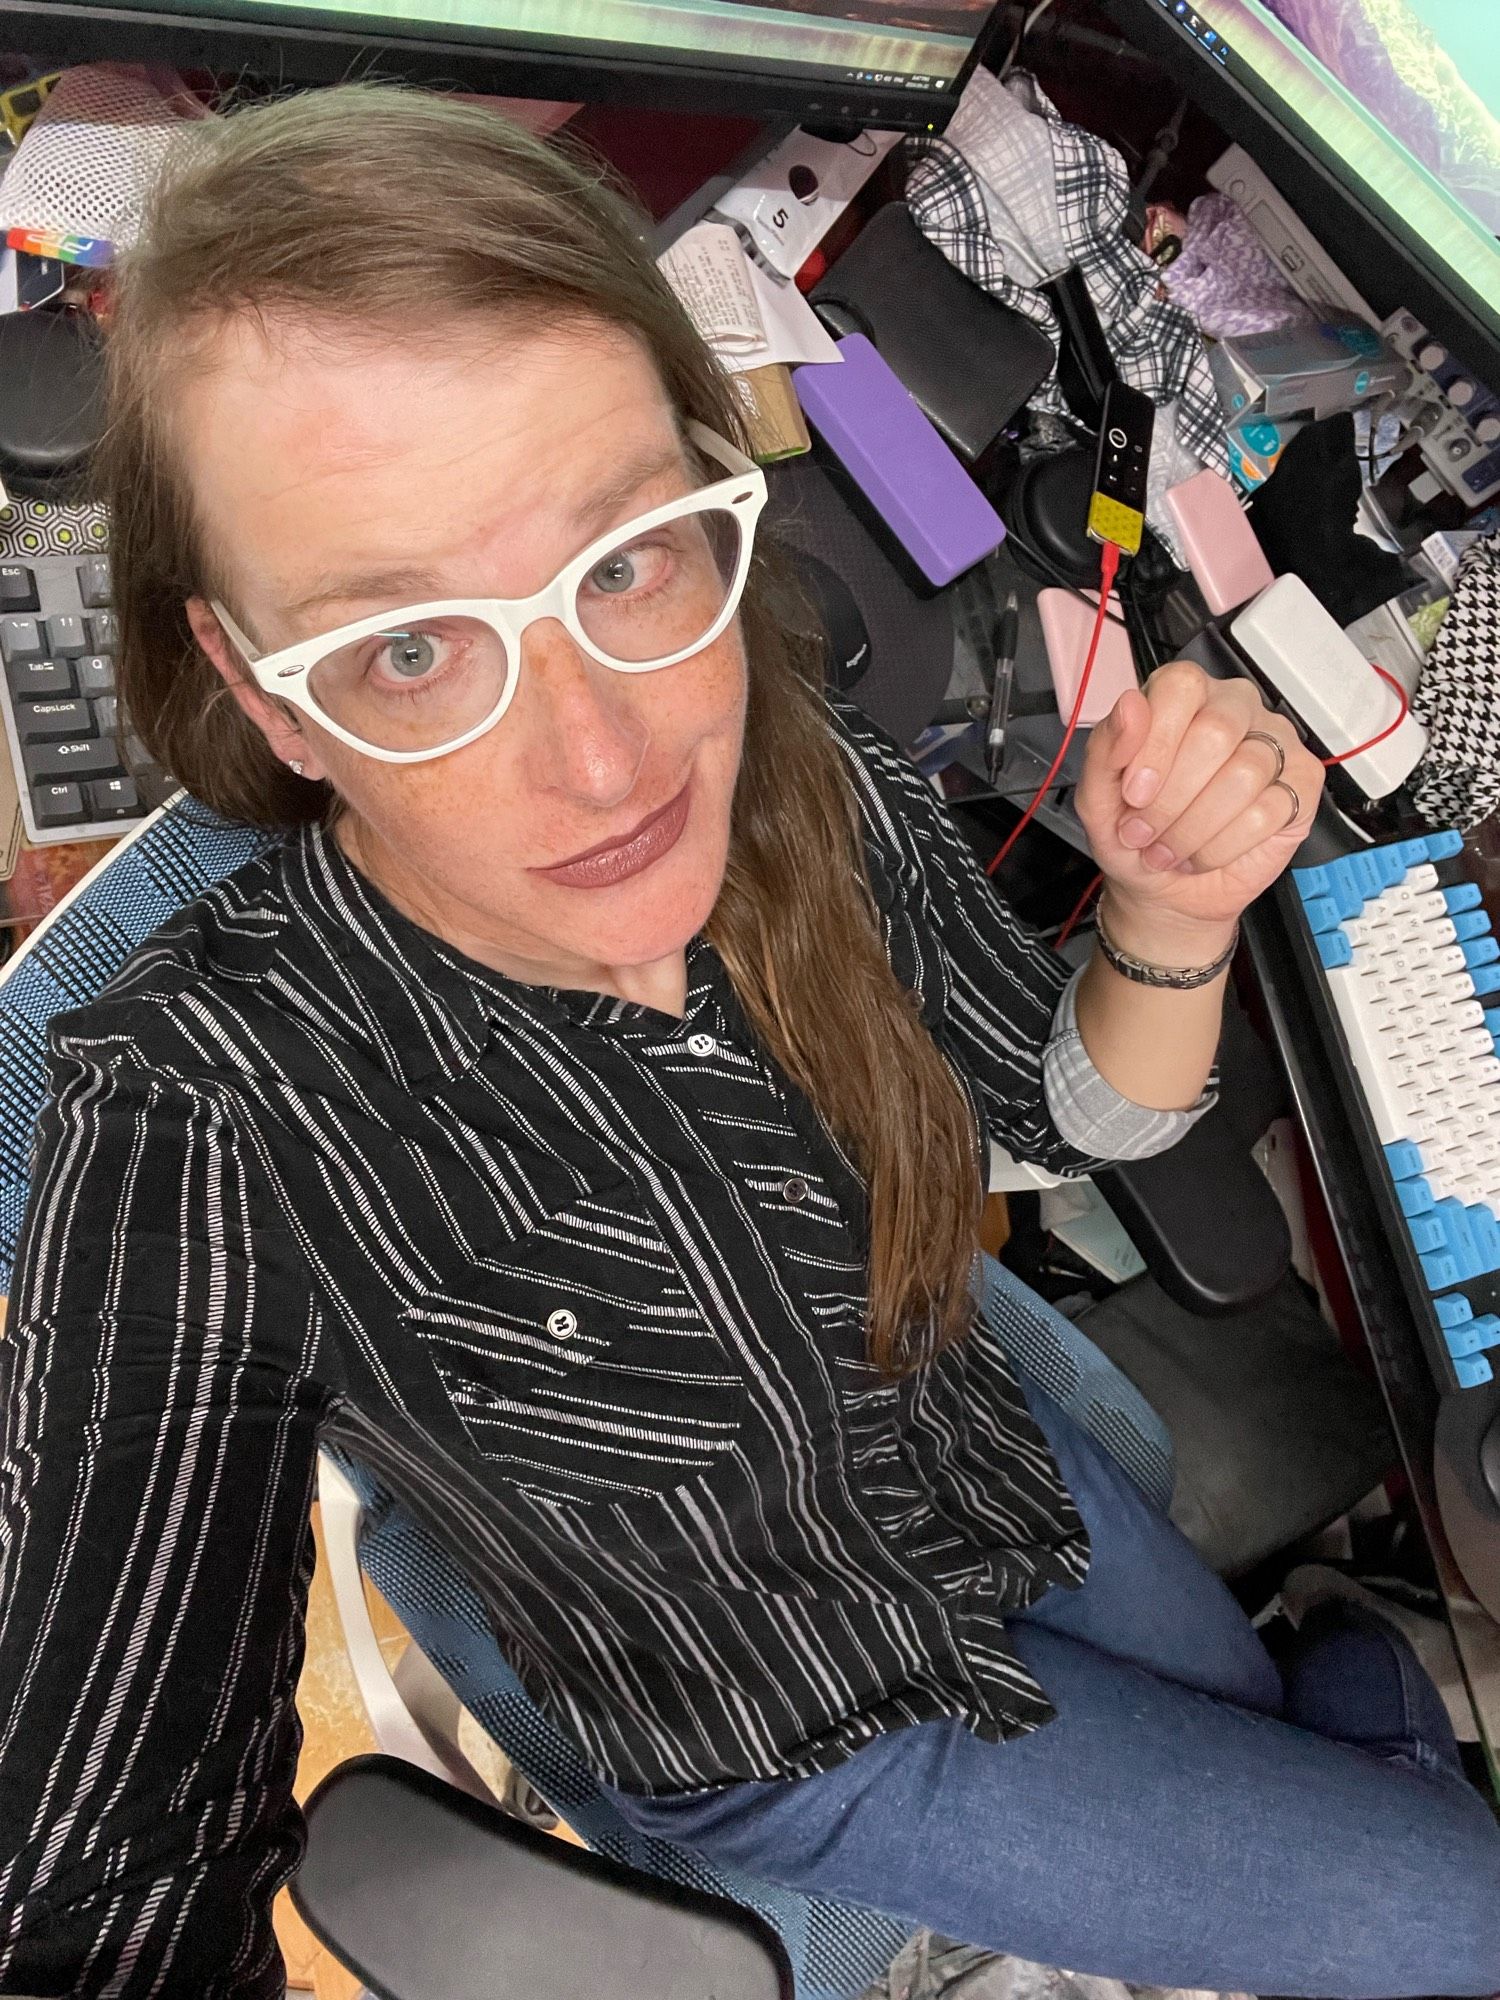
x=362, y=210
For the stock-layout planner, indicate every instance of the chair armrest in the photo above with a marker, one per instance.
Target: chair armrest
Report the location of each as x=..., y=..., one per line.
x=430, y=1895
x=413, y=1714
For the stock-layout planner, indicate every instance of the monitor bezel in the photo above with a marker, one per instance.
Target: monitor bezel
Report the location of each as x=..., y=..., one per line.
x=1368, y=241
x=293, y=47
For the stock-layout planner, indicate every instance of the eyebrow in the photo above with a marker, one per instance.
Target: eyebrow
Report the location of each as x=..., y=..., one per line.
x=405, y=584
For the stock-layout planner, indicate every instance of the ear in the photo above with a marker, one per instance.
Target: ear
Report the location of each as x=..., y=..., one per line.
x=275, y=720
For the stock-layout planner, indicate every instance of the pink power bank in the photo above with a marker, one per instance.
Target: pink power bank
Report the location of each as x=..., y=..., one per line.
x=1219, y=543
x=1067, y=627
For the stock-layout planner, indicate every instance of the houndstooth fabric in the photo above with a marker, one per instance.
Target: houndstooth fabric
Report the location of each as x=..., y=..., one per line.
x=1457, y=783
x=1013, y=195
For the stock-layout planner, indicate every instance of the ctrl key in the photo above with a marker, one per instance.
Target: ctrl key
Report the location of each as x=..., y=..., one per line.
x=57, y=805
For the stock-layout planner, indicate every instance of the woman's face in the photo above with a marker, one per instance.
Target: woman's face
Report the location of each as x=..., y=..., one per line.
x=335, y=482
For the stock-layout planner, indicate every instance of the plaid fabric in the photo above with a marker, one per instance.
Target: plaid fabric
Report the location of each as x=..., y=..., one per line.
x=1014, y=195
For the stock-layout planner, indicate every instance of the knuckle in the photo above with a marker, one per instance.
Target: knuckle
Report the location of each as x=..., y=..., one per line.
x=1179, y=680
x=1219, y=733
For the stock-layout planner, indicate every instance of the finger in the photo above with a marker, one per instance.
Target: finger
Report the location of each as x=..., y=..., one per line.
x=1128, y=725
x=1212, y=740
x=1233, y=788
x=1112, y=744
x=1175, y=694
x=1272, y=815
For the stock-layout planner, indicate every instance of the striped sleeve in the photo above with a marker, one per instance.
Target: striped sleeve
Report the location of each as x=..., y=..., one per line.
x=1004, y=983
x=157, y=1445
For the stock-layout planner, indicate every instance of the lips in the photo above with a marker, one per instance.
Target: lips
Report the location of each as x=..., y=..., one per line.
x=617, y=860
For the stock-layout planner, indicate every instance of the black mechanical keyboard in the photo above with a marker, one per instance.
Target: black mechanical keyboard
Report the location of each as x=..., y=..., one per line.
x=77, y=775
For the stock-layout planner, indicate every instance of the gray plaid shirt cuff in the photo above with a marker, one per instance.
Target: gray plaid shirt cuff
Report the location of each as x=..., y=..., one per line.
x=1089, y=1112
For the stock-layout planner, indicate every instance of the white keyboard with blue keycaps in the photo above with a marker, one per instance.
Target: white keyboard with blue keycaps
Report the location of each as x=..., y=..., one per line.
x=1413, y=970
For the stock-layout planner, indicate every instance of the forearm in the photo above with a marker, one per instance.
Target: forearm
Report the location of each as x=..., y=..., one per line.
x=1155, y=1045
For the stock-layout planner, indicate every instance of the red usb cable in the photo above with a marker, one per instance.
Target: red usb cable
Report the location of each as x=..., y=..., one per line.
x=1109, y=563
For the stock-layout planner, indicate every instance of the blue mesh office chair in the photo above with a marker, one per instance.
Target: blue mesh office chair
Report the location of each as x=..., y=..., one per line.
x=835, y=1951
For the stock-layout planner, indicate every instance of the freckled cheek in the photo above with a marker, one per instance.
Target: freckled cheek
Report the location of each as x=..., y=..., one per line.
x=467, y=810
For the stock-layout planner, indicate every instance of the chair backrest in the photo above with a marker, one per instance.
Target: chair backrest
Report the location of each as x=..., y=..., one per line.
x=174, y=856
x=170, y=858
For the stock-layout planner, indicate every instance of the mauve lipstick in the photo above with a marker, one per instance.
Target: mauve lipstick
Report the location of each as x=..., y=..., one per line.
x=617, y=860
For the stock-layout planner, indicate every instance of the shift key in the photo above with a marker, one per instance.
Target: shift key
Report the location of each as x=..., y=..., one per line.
x=88, y=758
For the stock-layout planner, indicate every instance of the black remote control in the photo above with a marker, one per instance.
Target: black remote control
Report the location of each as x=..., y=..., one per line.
x=1117, y=510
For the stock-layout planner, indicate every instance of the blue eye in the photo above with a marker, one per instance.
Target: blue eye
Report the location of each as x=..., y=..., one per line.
x=616, y=573
x=410, y=655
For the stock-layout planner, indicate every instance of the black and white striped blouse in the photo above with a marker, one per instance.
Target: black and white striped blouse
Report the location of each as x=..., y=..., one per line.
x=584, y=1283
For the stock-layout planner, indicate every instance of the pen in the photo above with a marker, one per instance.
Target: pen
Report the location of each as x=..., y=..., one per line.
x=1006, y=633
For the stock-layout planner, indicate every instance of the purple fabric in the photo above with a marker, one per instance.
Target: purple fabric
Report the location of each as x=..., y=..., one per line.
x=1224, y=277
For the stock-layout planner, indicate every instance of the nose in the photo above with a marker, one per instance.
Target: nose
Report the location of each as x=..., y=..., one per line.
x=585, y=735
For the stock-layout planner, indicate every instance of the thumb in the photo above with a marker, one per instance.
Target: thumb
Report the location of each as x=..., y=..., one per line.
x=1126, y=728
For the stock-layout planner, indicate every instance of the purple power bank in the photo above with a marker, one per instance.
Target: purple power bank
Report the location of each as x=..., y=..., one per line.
x=898, y=461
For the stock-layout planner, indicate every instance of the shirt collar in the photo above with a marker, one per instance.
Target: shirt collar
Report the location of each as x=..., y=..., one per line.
x=435, y=1008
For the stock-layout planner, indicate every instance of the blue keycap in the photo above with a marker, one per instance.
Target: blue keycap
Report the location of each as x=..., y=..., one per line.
x=1365, y=874
x=1426, y=1232
x=1484, y=978
x=1312, y=881
x=1481, y=951
x=1459, y=1238
x=1413, y=852
x=1443, y=846
x=1470, y=924
x=1322, y=913
x=1403, y=1157
x=1334, y=949
x=1473, y=1338
x=1492, y=1019
x=1415, y=1196
x=1388, y=861
x=1473, y=1372
x=1462, y=896
x=1484, y=1233
x=1454, y=1310
x=1440, y=1271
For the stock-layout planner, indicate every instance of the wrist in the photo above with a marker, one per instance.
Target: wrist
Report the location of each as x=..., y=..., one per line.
x=1164, y=937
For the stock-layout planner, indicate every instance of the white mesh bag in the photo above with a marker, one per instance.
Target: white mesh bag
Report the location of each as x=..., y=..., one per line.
x=84, y=166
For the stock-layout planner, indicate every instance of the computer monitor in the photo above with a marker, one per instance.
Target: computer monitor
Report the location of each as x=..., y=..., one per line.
x=897, y=64
x=1379, y=120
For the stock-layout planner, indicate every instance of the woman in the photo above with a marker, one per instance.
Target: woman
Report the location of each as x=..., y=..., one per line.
x=577, y=1118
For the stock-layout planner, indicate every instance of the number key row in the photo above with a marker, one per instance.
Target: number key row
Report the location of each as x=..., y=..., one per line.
x=59, y=638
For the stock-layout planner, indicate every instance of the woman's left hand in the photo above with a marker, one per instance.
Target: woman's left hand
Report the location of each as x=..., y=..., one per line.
x=1189, y=811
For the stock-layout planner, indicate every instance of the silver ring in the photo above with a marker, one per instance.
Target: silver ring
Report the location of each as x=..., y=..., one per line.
x=1263, y=736
x=1281, y=785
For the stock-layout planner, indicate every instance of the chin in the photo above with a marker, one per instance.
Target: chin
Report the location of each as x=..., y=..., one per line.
x=653, y=915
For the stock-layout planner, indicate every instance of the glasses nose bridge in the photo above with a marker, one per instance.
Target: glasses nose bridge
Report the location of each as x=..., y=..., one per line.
x=515, y=616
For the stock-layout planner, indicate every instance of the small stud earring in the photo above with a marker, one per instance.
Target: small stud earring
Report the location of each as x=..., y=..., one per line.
x=295, y=766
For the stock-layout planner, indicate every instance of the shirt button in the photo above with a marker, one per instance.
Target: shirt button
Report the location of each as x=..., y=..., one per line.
x=702, y=1045
x=562, y=1325
x=794, y=1189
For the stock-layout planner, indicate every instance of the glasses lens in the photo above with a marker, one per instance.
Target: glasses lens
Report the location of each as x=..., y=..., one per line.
x=414, y=687
x=662, y=591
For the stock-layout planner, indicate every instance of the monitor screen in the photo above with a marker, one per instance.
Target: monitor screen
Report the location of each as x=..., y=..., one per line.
x=843, y=54
x=1399, y=98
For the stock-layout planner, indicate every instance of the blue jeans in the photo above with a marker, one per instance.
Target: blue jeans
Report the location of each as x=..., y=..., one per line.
x=1193, y=1817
